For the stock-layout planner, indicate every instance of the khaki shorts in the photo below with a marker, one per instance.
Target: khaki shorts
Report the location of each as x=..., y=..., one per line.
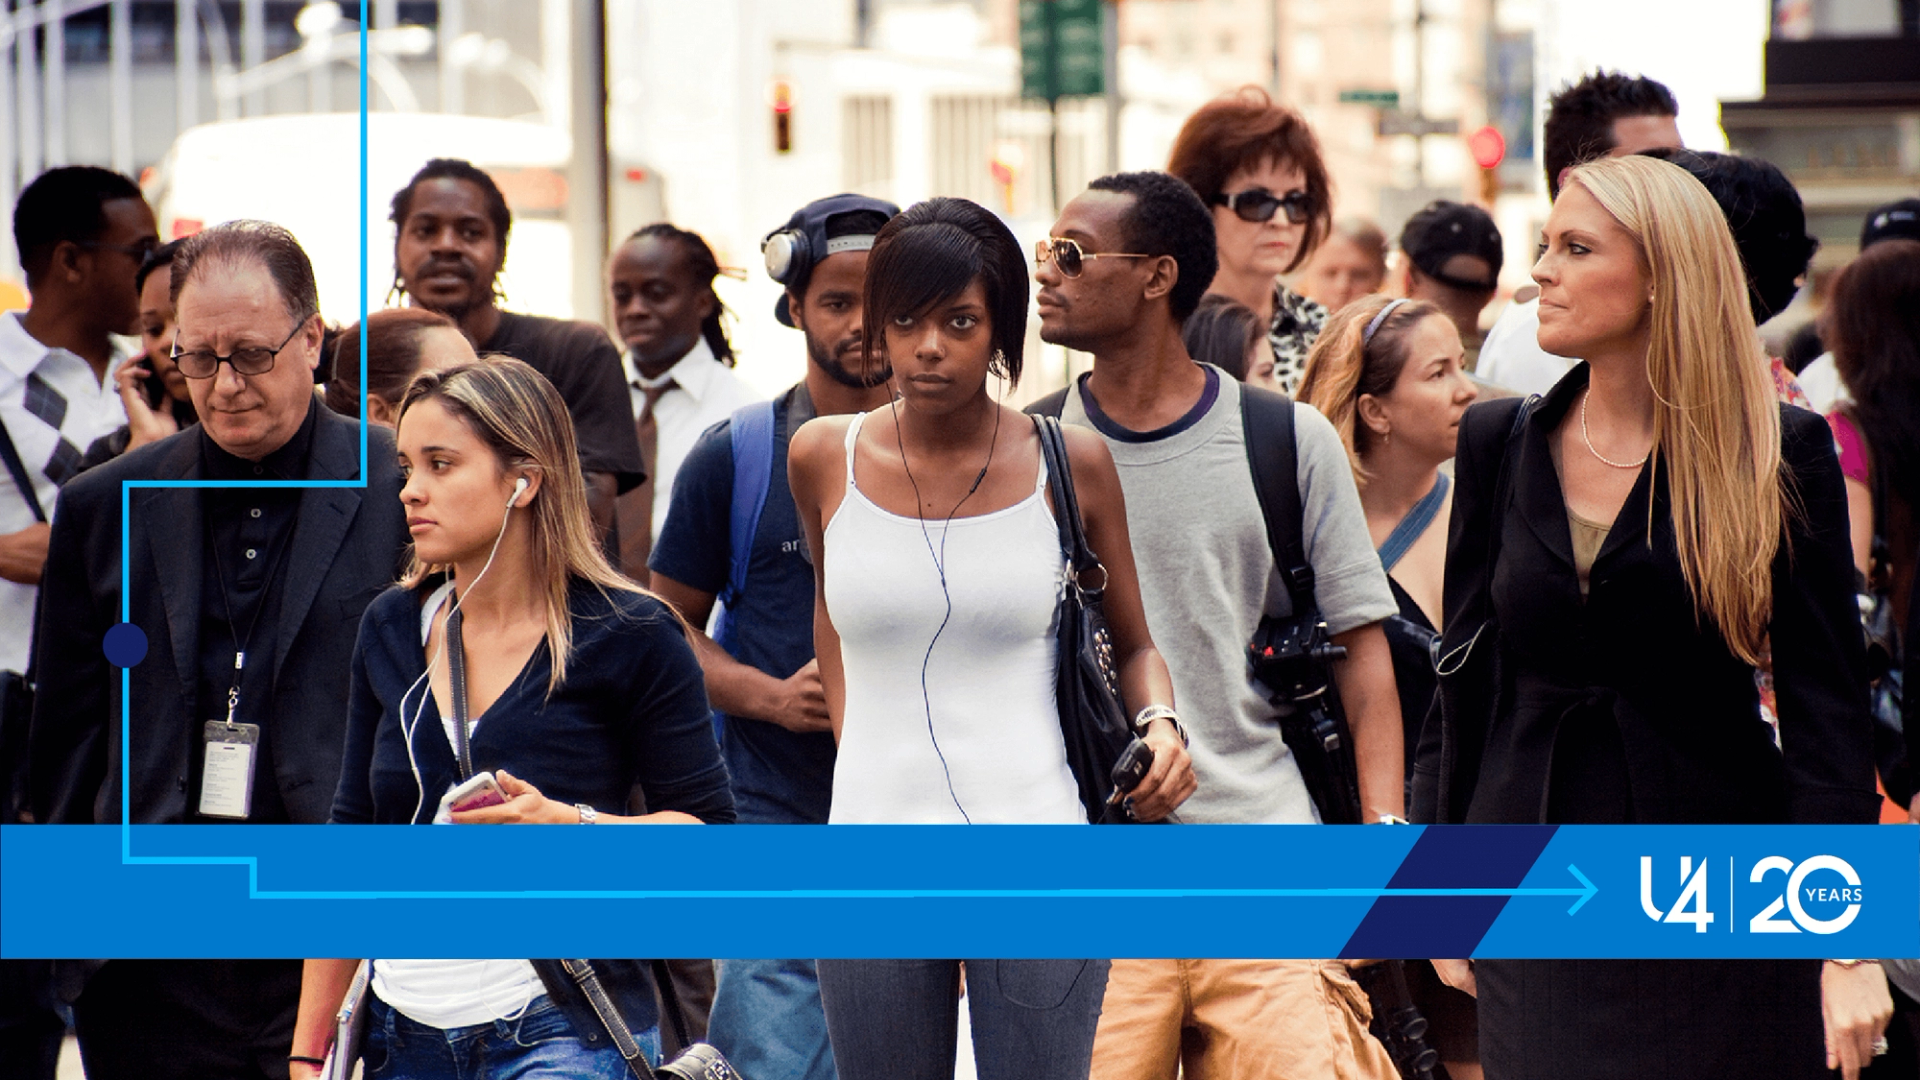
x=1236, y=1020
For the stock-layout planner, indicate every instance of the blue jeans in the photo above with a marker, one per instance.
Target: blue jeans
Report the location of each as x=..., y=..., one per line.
x=899, y=1019
x=767, y=1019
x=540, y=1044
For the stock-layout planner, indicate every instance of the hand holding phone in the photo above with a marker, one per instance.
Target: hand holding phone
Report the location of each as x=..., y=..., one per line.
x=476, y=791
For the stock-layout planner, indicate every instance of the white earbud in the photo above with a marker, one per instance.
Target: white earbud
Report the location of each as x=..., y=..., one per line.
x=519, y=489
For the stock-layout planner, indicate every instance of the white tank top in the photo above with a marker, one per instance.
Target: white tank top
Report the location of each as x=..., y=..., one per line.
x=982, y=741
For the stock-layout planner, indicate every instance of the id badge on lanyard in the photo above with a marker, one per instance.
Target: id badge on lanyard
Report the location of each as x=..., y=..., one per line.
x=230, y=753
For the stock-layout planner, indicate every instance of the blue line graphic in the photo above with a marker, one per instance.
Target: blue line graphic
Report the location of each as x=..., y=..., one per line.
x=126, y=515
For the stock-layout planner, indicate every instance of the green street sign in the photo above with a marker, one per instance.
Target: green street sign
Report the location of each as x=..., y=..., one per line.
x=1061, y=53
x=1380, y=99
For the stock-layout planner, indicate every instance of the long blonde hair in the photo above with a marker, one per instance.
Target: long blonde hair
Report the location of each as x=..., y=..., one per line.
x=1716, y=422
x=1345, y=364
x=518, y=414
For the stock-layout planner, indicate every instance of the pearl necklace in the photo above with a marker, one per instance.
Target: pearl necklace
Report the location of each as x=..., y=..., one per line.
x=1604, y=460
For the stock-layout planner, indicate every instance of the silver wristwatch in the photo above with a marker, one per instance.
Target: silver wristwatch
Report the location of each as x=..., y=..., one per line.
x=588, y=815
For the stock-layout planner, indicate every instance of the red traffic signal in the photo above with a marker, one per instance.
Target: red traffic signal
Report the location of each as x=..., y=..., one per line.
x=1487, y=146
x=780, y=96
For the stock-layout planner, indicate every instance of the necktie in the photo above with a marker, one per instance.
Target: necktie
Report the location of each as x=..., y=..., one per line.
x=633, y=513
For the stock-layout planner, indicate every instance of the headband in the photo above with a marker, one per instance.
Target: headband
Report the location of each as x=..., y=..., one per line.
x=1366, y=338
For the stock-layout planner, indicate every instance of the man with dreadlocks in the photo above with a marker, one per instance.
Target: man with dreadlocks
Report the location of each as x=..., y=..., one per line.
x=450, y=242
x=679, y=367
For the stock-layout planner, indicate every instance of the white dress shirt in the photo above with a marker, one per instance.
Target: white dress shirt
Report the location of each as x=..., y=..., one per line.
x=1511, y=357
x=705, y=392
x=1820, y=380
x=69, y=409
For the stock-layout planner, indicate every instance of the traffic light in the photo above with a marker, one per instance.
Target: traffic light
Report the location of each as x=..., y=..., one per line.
x=782, y=117
x=1488, y=148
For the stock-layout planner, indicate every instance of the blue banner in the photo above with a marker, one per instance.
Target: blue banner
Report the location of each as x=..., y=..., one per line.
x=1230, y=891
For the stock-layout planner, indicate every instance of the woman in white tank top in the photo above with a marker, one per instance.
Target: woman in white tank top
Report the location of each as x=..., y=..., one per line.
x=938, y=570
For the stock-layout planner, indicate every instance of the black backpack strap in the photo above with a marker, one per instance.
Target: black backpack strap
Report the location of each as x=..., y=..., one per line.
x=19, y=471
x=1266, y=420
x=1051, y=405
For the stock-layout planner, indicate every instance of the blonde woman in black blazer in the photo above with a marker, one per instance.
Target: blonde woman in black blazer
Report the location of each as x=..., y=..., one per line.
x=1666, y=520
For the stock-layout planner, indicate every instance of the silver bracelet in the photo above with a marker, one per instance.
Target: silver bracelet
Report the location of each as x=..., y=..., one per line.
x=588, y=815
x=1159, y=712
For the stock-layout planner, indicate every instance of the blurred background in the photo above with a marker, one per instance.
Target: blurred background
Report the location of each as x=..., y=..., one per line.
x=600, y=116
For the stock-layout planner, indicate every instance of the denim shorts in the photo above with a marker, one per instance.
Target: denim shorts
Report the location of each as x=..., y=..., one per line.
x=538, y=1044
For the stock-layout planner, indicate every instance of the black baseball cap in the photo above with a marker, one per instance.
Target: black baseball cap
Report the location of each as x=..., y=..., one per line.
x=1445, y=229
x=1896, y=220
x=808, y=237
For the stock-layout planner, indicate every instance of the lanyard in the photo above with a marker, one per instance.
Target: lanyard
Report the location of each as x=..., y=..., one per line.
x=457, y=674
x=281, y=543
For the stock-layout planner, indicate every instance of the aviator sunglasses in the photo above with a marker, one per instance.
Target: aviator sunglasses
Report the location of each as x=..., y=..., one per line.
x=1258, y=204
x=1070, y=258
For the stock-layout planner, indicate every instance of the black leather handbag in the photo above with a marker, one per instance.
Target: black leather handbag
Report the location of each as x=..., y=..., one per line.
x=1092, y=720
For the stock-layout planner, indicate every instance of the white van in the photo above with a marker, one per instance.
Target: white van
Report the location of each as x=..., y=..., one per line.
x=303, y=172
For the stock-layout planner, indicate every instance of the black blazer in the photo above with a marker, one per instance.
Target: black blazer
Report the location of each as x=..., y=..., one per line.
x=1691, y=747
x=345, y=548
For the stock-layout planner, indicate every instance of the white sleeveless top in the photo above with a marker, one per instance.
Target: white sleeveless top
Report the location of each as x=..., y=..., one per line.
x=982, y=742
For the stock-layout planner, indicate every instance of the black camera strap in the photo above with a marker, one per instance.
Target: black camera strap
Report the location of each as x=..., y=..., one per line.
x=1267, y=422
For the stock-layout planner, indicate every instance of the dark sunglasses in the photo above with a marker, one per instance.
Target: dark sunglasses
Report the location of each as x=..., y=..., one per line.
x=256, y=360
x=1069, y=257
x=1258, y=204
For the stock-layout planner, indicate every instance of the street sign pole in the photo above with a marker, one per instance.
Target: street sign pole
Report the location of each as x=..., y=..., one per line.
x=1110, y=74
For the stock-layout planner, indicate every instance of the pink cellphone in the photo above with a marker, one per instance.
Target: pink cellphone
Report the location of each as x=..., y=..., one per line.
x=477, y=792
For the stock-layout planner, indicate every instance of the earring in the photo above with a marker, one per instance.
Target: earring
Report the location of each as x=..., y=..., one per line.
x=997, y=364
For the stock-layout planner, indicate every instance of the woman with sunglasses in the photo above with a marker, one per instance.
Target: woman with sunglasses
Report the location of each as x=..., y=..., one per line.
x=939, y=568
x=1257, y=165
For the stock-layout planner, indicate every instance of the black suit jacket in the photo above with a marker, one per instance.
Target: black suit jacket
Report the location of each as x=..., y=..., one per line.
x=1691, y=744
x=346, y=547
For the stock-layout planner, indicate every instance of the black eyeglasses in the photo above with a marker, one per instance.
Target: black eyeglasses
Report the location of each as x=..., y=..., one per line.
x=1069, y=257
x=1258, y=204
x=139, y=251
x=254, y=360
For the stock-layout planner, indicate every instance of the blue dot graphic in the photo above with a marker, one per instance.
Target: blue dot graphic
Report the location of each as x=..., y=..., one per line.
x=125, y=645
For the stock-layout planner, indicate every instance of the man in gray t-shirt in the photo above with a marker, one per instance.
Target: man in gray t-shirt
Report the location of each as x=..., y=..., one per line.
x=1128, y=261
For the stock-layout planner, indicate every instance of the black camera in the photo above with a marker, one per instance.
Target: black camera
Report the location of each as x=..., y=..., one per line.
x=700, y=1062
x=1290, y=657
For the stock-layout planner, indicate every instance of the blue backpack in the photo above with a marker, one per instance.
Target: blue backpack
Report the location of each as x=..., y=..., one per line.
x=752, y=473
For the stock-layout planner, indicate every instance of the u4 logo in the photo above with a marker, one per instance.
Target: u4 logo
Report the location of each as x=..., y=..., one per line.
x=1691, y=904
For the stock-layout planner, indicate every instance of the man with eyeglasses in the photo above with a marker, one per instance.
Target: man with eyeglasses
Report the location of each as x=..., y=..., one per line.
x=1127, y=262
x=249, y=598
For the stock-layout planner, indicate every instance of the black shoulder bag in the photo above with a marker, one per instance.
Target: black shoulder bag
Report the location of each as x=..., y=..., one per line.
x=1291, y=657
x=1092, y=720
x=1470, y=674
x=16, y=688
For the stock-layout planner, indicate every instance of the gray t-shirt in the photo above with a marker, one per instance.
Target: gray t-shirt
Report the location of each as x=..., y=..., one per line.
x=1207, y=575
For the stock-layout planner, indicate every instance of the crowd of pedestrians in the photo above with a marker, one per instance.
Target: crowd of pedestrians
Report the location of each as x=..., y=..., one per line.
x=1599, y=564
